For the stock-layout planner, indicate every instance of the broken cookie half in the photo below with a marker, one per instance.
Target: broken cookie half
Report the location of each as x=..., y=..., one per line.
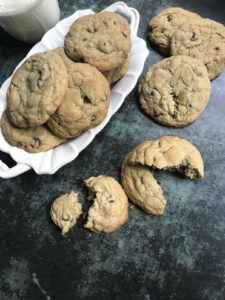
x=167, y=153
x=110, y=208
x=65, y=211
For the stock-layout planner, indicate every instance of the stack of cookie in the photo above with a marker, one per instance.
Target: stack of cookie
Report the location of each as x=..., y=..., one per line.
x=176, y=31
x=53, y=97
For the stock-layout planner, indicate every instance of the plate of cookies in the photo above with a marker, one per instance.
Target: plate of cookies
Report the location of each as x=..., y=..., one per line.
x=68, y=87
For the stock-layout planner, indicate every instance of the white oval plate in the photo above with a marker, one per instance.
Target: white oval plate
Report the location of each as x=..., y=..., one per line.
x=50, y=161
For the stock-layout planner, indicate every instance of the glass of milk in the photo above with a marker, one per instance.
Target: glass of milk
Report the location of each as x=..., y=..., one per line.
x=28, y=20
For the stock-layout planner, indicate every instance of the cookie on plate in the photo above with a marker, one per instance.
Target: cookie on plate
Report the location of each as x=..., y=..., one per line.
x=35, y=139
x=162, y=26
x=175, y=91
x=110, y=208
x=117, y=73
x=65, y=210
x=85, y=104
x=204, y=40
x=102, y=40
x=36, y=90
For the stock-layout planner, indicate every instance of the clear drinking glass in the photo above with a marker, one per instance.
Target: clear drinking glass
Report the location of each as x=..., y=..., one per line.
x=29, y=21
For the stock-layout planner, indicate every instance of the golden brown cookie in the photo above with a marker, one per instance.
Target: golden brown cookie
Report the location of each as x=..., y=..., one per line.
x=167, y=153
x=35, y=139
x=162, y=26
x=102, y=40
x=117, y=73
x=204, y=40
x=142, y=188
x=85, y=104
x=175, y=91
x=36, y=90
x=65, y=210
x=110, y=208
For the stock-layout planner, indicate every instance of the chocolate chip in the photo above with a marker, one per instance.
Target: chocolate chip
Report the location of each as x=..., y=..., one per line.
x=169, y=18
x=87, y=100
x=194, y=38
x=93, y=117
x=217, y=48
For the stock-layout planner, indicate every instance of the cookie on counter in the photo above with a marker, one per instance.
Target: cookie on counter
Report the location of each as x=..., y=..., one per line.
x=34, y=139
x=175, y=91
x=204, y=40
x=167, y=153
x=162, y=26
x=36, y=90
x=85, y=104
x=142, y=188
x=65, y=210
x=102, y=40
x=110, y=208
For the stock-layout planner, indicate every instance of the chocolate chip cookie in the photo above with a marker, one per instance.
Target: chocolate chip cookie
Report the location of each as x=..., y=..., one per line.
x=167, y=153
x=35, y=139
x=117, y=73
x=142, y=188
x=204, y=40
x=85, y=104
x=175, y=91
x=102, y=40
x=110, y=208
x=37, y=89
x=162, y=26
x=65, y=210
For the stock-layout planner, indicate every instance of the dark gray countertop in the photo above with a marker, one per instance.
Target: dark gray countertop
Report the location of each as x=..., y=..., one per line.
x=178, y=256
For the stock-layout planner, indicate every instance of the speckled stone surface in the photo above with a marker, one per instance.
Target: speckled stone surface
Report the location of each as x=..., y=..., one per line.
x=178, y=256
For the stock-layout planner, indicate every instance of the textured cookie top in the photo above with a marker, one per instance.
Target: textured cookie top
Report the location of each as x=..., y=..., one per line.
x=175, y=91
x=35, y=139
x=37, y=89
x=102, y=40
x=142, y=188
x=204, y=40
x=65, y=210
x=162, y=26
x=169, y=153
x=110, y=208
x=85, y=104
x=117, y=73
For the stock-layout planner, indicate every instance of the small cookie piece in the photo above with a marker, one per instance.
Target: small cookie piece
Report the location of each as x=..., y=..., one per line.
x=117, y=73
x=35, y=139
x=102, y=40
x=36, y=90
x=85, y=104
x=162, y=26
x=175, y=91
x=169, y=153
x=204, y=40
x=142, y=188
x=110, y=208
x=65, y=211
